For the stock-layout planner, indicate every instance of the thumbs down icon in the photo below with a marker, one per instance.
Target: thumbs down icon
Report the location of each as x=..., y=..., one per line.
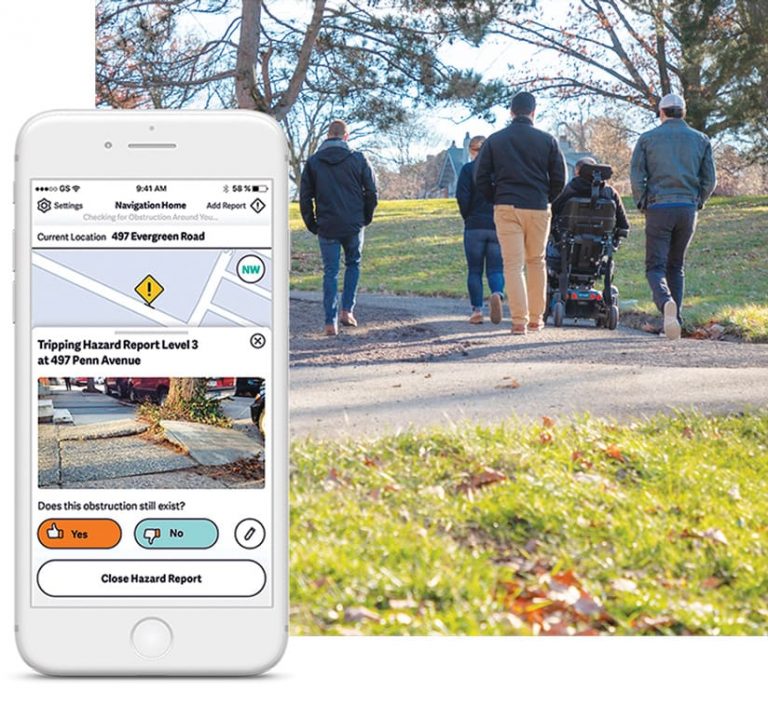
x=151, y=534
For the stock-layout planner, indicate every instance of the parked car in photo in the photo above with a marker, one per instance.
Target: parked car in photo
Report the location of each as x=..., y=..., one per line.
x=248, y=387
x=220, y=388
x=116, y=386
x=156, y=389
x=259, y=408
x=148, y=388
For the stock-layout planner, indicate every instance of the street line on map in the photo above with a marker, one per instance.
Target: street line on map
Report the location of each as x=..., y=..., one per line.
x=204, y=301
x=227, y=315
x=251, y=287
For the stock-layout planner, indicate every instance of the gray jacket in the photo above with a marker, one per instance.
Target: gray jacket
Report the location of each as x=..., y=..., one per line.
x=672, y=163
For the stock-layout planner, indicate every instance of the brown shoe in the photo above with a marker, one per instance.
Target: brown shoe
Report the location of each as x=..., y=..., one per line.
x=476, y=318
x=518, y=329
x=331, y=330
x=347, y=318
x=535, y=327
x=496, y=309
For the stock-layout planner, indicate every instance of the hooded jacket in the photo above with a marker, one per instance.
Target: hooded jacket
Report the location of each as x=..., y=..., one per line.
x=337, y=195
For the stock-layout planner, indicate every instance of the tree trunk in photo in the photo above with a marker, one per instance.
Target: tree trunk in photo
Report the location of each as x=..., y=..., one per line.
x=182, y=390
x=246, y=89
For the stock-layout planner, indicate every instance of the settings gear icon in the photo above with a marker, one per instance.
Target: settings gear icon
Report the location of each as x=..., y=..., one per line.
x=44, y=205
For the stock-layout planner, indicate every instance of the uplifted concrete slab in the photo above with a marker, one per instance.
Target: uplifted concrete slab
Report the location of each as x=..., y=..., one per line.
x=210, y=445
x=116, y=457
x=99, y=431
x=62, y=417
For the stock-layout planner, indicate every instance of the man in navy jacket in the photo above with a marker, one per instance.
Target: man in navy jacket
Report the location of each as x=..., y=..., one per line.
x=337, y=197
x=520, y=169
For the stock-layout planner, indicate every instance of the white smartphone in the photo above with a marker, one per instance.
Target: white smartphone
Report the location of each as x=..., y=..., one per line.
x=151, y=311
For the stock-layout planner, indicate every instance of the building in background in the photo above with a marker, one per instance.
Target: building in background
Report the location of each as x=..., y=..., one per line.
x=452, y=159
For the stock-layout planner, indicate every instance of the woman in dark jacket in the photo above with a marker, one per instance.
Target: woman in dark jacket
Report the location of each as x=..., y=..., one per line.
x=481, y=246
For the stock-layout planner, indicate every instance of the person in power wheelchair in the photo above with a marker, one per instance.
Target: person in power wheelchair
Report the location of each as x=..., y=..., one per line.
x=588, y=225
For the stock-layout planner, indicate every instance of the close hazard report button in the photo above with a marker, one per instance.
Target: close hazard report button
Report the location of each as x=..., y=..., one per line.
x=151, y=578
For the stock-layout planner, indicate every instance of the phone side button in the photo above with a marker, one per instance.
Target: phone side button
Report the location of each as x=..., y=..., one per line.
x=151, y=638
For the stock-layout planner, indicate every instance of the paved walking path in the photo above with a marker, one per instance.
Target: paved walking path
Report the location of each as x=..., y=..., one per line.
x=417, y=362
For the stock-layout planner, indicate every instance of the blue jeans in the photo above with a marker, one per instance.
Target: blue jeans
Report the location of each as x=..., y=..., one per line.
x=668, y=232
x=330, y=249
x=483, y=252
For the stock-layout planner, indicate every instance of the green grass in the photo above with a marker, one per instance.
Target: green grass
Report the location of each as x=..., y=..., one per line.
x=657, y=527
x=414, y=247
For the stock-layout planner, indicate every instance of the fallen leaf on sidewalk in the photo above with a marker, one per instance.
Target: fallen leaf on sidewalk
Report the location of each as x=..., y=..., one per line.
x=509, y=385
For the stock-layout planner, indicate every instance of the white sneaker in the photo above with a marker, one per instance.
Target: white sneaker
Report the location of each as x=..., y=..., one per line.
x=672, y=330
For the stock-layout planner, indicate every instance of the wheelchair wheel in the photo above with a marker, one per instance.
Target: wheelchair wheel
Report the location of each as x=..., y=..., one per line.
x=613, y=317
x=558, y=313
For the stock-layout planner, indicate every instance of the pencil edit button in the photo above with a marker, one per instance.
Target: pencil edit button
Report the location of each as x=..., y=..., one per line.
x=79, y=533
x=250, y=533
x=176, y=533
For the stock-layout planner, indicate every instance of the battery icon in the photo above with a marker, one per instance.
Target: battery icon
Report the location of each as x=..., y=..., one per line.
x=260, y=188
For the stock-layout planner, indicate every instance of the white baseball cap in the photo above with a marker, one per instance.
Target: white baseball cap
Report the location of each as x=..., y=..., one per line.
x=671, y=100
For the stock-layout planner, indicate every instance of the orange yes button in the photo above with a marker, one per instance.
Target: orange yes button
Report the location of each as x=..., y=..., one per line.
x=74, y=533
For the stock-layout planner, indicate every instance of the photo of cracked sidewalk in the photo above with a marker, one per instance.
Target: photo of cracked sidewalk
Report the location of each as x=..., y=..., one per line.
x=89, y=438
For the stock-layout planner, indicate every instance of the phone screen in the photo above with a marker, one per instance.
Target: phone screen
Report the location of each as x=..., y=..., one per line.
x=152, y=357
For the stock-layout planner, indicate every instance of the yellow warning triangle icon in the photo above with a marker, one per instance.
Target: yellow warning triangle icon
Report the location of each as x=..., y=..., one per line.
x=149, y=289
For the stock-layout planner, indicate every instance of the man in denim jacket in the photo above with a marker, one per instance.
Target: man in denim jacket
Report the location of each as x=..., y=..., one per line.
x=672, y=175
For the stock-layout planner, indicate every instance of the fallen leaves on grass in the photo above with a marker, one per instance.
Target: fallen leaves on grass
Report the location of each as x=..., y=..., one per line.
x=360, y=614
x=333, y=481
x=487, y=476
x=624, y=585
x=555, y=605
x=547, y=421
x=615, y=453
x=248, y=470
x=545, y=438
x=713, y=534
x=653, y=624
x=577, y=456
x=710, y=331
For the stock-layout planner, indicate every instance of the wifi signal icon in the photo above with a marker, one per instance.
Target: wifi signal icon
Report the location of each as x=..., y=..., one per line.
x=75, y=187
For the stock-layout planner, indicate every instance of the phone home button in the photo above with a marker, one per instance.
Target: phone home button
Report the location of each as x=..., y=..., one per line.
x=151, y=638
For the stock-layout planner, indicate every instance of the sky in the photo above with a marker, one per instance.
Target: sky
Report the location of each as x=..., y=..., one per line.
x=492, y=60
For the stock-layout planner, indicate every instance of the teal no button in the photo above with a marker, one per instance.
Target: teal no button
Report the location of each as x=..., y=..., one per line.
x=176, y=534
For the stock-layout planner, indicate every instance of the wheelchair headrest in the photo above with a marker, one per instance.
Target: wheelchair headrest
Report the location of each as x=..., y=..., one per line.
x=588, y=171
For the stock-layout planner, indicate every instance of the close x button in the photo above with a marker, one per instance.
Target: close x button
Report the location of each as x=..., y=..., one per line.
x=79, y=533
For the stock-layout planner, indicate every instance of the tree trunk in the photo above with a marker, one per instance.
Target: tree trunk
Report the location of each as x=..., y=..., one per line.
x=246, y=89
x=184, y=389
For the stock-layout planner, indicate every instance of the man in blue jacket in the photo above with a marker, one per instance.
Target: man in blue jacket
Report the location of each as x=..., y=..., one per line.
x=337, y=197
x=520, y=169
x=672, y=175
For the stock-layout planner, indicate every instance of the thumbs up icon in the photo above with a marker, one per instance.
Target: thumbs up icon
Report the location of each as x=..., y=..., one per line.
x=54, y=533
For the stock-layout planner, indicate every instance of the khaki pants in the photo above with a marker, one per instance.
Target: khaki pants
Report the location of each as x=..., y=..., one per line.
x=523, y=238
